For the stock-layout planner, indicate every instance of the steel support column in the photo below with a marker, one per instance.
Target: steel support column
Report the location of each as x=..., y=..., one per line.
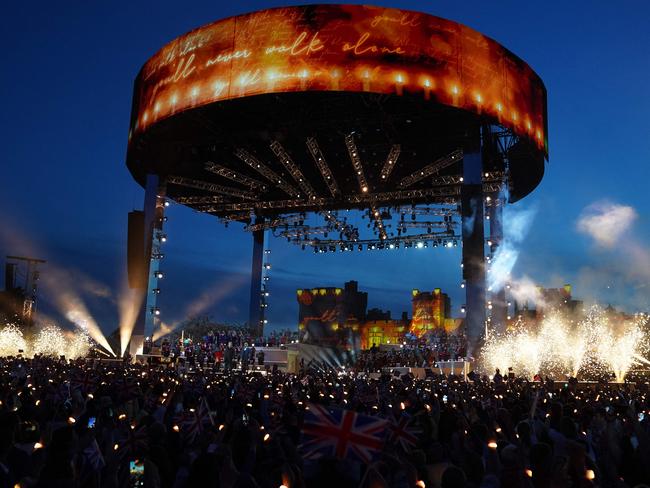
x=473, y=245
x=255, y=304
x=499, y=306
x=148, y=318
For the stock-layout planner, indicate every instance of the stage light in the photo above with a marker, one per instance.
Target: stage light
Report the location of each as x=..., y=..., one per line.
x=159, y=274
x=420, y=245
x=167, y=204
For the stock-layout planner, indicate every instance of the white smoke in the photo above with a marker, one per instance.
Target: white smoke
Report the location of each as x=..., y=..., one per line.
x=524, y=290
x=516, y=223
x=606, y=222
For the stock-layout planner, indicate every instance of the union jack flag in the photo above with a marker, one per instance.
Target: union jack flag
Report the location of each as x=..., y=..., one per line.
x=86, y=381
x=403, y=432
x=194, y=422
x=341, y=433
x=133, y=443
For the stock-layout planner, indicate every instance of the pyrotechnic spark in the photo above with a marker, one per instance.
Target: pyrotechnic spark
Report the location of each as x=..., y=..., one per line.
x=11, y=341
x=78, y=345
x=592, y=347
x=50, y=341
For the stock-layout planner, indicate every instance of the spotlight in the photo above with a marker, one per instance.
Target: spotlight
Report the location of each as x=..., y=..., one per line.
x=159, y=275
x=167, y=204
x=163, y=237
x=420, y=245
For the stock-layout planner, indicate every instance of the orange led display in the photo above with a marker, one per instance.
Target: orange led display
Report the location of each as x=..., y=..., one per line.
x=351, y=48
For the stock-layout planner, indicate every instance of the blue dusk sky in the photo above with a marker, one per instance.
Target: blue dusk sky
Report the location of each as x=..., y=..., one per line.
x=66, y=81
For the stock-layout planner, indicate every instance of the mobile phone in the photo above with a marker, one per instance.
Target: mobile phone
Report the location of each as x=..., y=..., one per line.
x=641, y=416
x=136, y=473
x=91, y=422
x=444, y=398
x=244, y=419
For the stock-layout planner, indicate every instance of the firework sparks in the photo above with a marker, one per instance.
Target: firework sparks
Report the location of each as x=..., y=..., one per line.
x=11, y=340
x=593, y=347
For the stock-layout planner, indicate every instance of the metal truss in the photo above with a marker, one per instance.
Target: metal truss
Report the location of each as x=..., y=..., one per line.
x=343, y=227
x=303, y=231
x=236, y=217
x=356, y=163
x=212, y=187
x=492, y=176
x=391, y=159
x=193, y=200
x=441, y=195
x=492, y=187
x=379, y=223
x=293, y=170
x=437, y=239
x=267, y=172
x=431, y=224
x=217, y=169
x=430, y=169
x=323, y=167
x=447, y=180
x=437, y=211
x=277, y=222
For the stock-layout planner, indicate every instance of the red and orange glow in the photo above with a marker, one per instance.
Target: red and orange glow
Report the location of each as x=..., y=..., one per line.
x=342, y=48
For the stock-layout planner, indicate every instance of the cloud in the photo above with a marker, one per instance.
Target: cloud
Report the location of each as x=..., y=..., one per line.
x=606, y=222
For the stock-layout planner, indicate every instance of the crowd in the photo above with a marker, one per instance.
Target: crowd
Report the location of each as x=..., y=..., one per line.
x=218, y=346
x=376, y=358
x=111, y=424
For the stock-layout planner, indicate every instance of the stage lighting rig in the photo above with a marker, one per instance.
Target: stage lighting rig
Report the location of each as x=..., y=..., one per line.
x=267, y=172
x=356, y=163
x=251, y=183
x=391, y=159
x=323, y=167
x=211, y=187
x=433, y=168
x=293, y=169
